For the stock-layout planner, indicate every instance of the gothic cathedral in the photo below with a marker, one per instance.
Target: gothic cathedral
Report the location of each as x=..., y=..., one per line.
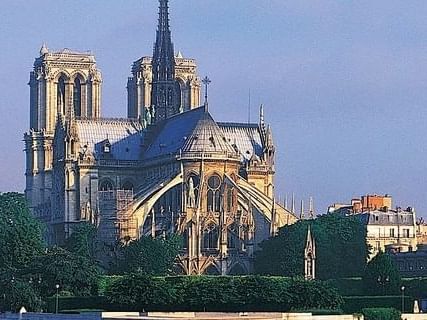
x=167, y=168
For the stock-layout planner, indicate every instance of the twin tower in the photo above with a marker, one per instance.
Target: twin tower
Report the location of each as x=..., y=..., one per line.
x=67, y=84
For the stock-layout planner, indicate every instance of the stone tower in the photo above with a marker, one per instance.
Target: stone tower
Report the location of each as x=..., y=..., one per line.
x=62, y=83
x=165, y=84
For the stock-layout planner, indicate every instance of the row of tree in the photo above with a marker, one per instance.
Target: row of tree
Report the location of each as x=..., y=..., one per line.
x=30, y=271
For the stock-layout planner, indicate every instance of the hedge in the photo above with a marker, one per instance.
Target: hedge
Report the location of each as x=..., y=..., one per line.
x=221, y=294
x=78, y=303
x=381, y=314
x=356, y=304
x=415, y=287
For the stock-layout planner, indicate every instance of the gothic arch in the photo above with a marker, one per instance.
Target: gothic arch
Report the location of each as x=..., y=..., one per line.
x=211, y=269
x=145, y=202
x=78, y=74
x=106, y=184
x=237, y=269
x=61, y=73
x=128, y=185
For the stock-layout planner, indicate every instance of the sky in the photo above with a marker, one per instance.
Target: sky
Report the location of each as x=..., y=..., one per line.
x=343, y=83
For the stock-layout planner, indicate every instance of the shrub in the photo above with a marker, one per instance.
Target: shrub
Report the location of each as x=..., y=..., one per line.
x=356, y=304
x=381, y=314
x=207, y=293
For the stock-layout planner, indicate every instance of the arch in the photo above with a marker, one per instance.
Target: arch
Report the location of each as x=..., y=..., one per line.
x=212, y=270
x=237, y=269
x=213, y=198
x=61, y=94
x=61, y=73
x=78, y=74
x=210, y=237
x=106, y=185
x=127, y=185
x=145, y=201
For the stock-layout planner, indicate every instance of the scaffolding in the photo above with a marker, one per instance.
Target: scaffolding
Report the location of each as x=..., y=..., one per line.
x=126, y=223
x=116, y=221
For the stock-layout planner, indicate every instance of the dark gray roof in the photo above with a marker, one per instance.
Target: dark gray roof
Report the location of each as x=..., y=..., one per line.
x=124, y=136
x=191, y=131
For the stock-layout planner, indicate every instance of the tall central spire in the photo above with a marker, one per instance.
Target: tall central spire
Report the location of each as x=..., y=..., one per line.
x=163, y=55
x=165, y=95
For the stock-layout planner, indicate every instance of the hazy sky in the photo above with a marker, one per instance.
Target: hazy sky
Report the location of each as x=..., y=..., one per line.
x=343, y=82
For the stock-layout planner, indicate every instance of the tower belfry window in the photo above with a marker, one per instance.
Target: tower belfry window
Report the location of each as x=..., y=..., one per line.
x=77, y=97
x=60, y=95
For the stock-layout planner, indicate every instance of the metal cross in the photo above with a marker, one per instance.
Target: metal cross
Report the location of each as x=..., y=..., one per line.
x=206, y=81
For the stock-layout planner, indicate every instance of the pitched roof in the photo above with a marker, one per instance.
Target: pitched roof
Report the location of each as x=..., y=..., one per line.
x=191, y=131
x=246, y=137
x=124, y=136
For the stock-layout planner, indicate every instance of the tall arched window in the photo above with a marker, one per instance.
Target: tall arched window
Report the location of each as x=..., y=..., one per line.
x=106, y=185
x=214, y=195
x=128, y=185
x=210, y=237
x=60, y=95
x=77, y=97
x=230, y=199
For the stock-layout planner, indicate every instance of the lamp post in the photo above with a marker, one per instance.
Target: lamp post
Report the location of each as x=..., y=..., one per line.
x=403, y=298
x=57, y=298
x=383, y=281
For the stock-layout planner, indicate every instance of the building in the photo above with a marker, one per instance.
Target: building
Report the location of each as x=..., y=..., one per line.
x=410, y=264
x=385, y=226
x=167, y=168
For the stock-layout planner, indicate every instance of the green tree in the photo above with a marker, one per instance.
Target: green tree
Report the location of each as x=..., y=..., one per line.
x=341, y=248
x=74, y=274
x=381, y=276
x=149, y=256
x=83, y=240
x=20, y=233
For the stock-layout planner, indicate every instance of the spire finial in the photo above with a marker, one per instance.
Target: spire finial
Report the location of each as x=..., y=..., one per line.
x=44, y=49
x=311, y=210
x=261, y=116
x=293, y=203
x=206, y=81
x=301, y=215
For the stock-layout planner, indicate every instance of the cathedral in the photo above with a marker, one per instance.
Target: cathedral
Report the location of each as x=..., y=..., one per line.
x=168, y=168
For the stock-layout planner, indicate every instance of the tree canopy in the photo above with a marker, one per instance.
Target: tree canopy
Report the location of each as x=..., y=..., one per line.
x=20, y=233
x=341, y=248
x=381, y=276
x=149, y=256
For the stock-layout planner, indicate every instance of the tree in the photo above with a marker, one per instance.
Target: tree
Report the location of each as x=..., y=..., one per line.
x=20, y=233
x=73, y=273
x=83, y=240
x=341, y=248
x=149, y=256
x=381, y=276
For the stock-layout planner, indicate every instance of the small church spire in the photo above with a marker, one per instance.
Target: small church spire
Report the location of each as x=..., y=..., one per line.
x=164, y=93
x=293, y=203
x=301, y=214
x=311, y=209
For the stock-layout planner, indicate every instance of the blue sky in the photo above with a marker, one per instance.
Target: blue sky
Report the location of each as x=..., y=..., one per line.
x=344, y=83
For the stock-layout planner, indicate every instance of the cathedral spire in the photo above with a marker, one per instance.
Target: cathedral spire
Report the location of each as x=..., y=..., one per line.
x=165, y=96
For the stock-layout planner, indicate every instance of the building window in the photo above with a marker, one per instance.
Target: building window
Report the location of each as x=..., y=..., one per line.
x=405, y=233
x=60, y=95
x=77, y=97
x=230, y=202
x=392, y=233
x=106, y=185
x=214, y=196
x=210, y=237
x=127, y=185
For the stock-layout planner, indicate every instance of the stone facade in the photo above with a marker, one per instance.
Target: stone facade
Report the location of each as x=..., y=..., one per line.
x=168, y=168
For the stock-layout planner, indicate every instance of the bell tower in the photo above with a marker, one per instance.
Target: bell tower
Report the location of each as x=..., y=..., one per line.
x=62, y=83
